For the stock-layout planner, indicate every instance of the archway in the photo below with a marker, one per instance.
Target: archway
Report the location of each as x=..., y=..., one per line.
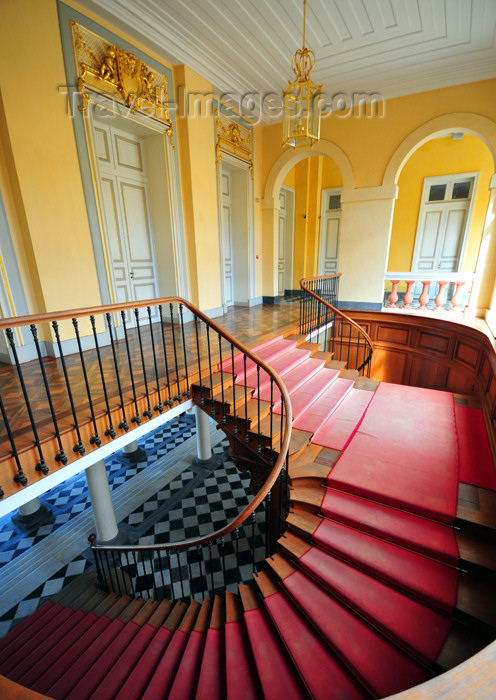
x=305, y=236
x=461, y=239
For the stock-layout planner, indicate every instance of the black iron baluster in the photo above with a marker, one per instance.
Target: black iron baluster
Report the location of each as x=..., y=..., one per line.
x=20, y=477
x=247, y=436
x=116, y=573
x=224, y=418
x=159, y=407
x=271, y=459
x=267, y=523
x=124, y=424
x=161, y=575
x=203, y=582
x=171, y=582
x=60, y=456
x=152, y=574
x=191, y=587
x=349, y=346
x=133, y=592
x=235, y=417
x=95, y=439
x=259, y=445
x=326, y=327
x=136, y=418
x=148, y=413
x=254, y=567
x=222, y=554
x=236, y=550
x=210, y=545
x=187, y=392
x=164, y=347
x=110, y=430
x=79, y=447
x=178, y=558
x=109, y=585
x=177, y=397
x=202, y=398
x=212, y=402
x=282, y=506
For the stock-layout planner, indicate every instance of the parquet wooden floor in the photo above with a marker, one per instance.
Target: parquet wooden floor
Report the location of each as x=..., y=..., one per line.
x=249, y=325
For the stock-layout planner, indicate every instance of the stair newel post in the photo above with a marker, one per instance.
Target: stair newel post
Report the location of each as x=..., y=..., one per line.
x=212, y=402
x=159, y=407
x=148, y=413
x=166, y=360
x=186, y=392
x=60, y=456
x=123, y=425
x=177, y=397
x=110, y=432
x=202, y=398
x=136, y=418
x=21, y=477
x=78, y=447
x=95, y=439
x=224, y=418
x=233, y=376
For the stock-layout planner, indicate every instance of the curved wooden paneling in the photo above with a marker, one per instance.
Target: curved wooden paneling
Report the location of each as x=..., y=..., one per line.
x=435, y=353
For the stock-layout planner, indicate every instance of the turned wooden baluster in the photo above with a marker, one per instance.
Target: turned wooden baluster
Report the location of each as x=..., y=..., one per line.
x=441, y=297
x=393, y=296
x=408, y=298
x=457, y=296
x=424, y=297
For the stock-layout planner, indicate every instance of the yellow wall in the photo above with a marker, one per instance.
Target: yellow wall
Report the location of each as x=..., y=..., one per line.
x=41, y=158
x=308, y=178
x=444, y=156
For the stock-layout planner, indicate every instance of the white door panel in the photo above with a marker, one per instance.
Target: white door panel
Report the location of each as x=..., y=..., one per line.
x=227, y=241
x=125, y=212
x=330, y=221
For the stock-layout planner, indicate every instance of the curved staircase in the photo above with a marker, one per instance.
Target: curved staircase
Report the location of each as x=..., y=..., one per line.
x=366, y=595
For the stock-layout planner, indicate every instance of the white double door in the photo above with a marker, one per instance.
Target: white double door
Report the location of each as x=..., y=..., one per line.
x=125, y=211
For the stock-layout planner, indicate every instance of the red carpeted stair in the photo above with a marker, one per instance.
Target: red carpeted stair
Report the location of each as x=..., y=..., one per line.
x=358, y=602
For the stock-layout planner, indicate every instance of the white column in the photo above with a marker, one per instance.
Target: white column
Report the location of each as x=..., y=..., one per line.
x=483, y=297
x=101, y=501
x=204, y=449
x=30, y=507
x=130, y=447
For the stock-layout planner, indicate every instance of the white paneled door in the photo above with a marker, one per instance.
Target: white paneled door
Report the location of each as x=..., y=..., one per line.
x=227, y=239
x=330, y=220
x=126, y=214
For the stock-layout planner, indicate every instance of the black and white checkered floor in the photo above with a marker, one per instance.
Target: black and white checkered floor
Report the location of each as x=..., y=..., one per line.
x=190, y=500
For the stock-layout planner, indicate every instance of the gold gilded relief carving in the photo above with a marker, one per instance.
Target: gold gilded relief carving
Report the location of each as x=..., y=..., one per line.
x=233, y=139
x=108, y=70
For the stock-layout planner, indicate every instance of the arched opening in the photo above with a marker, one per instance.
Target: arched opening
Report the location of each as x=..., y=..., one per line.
x=443, y=173
x=302, y=176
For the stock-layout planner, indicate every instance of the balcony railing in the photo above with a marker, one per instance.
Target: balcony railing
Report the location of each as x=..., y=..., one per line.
x=421, y=291
x=322, y=322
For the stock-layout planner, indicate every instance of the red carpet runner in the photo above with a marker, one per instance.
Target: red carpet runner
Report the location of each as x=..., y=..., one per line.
x=405, y=452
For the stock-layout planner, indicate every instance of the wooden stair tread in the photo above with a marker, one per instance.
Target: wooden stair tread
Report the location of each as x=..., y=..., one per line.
x=476, y=550
x=366, y=383
x=249, y=597
x=476, y=598
x=306, y=494
x=476, y=506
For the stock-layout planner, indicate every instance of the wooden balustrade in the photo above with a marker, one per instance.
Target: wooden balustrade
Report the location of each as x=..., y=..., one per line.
x=451, y=288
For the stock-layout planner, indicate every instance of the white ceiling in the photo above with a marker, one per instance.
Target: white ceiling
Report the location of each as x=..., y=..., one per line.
x=392, y=47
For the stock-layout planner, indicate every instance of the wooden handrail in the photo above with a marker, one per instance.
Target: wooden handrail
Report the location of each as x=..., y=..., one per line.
x=271, y=479
x=334, y=309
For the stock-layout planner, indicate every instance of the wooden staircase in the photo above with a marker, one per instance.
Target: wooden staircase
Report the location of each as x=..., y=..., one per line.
x=363, y=599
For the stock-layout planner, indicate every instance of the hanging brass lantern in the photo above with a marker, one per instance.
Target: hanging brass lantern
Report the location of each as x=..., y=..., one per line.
x=301, y=111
